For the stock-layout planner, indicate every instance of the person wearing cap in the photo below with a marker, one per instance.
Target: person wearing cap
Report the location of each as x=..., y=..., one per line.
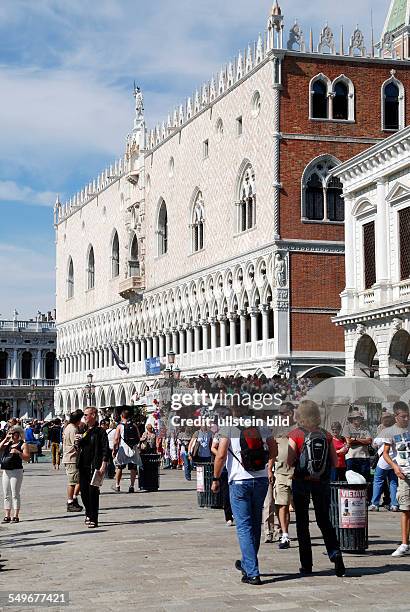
x=14, y=451
x=358, y=440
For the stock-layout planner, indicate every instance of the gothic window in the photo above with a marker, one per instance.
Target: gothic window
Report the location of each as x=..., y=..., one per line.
x=3, y=364
x=198, y=219
x=369, y=255
x=133, y=262
x=321, y=195
x=341, y=101
x=391, y=107
x=162, y=229
x=91, y=269
x=319, y=96
x=335, y=203
x=315, y=198
x=393, y=104
x=26, y=360
x=247, y=201
x=115, y=256
x=70, y=279
x=404, y=230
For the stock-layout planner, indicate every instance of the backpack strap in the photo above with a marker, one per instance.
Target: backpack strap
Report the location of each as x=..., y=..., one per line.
x=233, y=455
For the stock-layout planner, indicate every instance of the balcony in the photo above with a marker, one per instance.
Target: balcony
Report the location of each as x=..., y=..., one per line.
x=28, y=382
x=131, y=287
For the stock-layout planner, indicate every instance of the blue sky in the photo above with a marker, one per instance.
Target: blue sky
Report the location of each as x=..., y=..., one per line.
x=66, y=74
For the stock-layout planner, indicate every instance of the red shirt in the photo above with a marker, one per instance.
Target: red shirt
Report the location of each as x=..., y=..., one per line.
x=298, y=436
x=341, y=459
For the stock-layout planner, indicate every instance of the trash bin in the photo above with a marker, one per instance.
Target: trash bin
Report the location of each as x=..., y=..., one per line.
x=207, y=499
x=148, y=475
x=349, y=516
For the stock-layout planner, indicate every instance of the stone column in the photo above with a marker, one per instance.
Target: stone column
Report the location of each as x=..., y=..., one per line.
x=155, y=346
x=143, y=351
x=222, y=324
x=14, y=364
x=243, y=327
x=161, y=345
x=175, y=347
x=181, y=341
x=265, y=327
x=204, y=335
x=38, y=364
x=189, y=339
x=196, y=337
x=149, y=347
x=137, y=344
x=232, y=333
x=254, y=329
x=382, y=244
x=132, y=351
x=167, y=342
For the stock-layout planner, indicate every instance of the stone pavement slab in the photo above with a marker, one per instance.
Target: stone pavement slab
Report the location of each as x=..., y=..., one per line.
x=159, y=552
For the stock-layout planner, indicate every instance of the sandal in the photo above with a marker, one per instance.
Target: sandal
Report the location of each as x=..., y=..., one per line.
x=7, y=519
x=87, y=521
x=15, y=519
x=92, y=525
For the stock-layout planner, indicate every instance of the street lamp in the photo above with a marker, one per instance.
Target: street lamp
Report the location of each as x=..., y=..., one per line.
x=90, y=389
x=173, y=372
x=32, y=398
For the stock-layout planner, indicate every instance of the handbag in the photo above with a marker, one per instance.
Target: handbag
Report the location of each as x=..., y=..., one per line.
x=195, y=449
x=7, y=461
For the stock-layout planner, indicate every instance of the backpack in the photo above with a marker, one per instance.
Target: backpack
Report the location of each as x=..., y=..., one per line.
x=130, y=434
x=314, y=458
x=253, y=452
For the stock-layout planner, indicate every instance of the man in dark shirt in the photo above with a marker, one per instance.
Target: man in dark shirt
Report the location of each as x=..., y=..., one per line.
x=55, y=437
x=94, y=455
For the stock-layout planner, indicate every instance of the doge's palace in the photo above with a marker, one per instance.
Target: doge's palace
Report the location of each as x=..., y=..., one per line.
x=220, y=233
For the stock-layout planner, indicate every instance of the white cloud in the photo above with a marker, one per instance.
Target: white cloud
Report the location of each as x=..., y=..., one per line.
x=26, y=281
x=11, y=192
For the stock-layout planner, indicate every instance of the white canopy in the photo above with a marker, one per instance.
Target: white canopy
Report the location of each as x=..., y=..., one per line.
x=49, y=417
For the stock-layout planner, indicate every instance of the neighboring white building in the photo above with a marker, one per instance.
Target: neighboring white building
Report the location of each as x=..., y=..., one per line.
x=28, y=366
x=219, y=234
x=375, y=309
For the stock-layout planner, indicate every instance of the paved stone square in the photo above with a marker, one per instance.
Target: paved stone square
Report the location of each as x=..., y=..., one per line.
x=160, y=552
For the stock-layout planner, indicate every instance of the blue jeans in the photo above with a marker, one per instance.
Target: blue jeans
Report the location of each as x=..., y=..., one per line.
x=361, y=466
x=187, y=466
x=380, y=477
x=247, y=498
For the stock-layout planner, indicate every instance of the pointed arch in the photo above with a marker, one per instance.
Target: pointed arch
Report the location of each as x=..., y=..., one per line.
x=246, y=197
x=90, y=268
x=162, y=228
x=343, y=100
x=393, y=104
x=115, y=255
x=320, y=87
x=197, y=208
x=320, y=194
x=133, y=257
x=70, y=278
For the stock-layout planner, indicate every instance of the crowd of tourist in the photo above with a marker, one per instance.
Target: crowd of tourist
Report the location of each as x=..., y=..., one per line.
x=263, y=475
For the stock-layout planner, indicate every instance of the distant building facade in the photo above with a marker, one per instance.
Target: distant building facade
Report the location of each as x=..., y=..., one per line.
x=375, y=313
x=28, y=366
x=220, y=233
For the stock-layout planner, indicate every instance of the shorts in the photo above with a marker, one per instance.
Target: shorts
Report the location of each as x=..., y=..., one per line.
x=131, y=466
x=282, y=490
x=73, y=474
x=403, y=494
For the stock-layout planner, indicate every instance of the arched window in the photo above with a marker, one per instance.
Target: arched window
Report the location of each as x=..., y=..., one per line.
x=335, y=203
x=50, y=366
x=70, y=279
x=26, y=360
x=198, y=218
x=391, y=107
x=115, y=256
x=133, y=262
x=321, y=195
x=3, y=364
x=393, y=104
x=247, y=201
x=162, y=230
x=91, y=269
x=341, y=101
x=320, y=107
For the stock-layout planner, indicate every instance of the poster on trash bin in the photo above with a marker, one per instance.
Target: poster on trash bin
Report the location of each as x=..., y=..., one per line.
x=353, y=509
x=200, y=481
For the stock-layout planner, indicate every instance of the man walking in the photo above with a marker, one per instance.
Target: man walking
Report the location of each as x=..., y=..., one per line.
x=397, y=455
x=127, y=433
x=94, y=453
x=55, y=437
x=70, y=457
x=244, y=453
x=358, y=440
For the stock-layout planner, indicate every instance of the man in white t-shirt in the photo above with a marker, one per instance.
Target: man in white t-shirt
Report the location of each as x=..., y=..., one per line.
x=247, y=487
x=397, y=455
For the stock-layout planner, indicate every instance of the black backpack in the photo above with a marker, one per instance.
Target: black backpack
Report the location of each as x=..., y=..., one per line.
x=253, y=452
x=314, y=458
x=130, y=434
